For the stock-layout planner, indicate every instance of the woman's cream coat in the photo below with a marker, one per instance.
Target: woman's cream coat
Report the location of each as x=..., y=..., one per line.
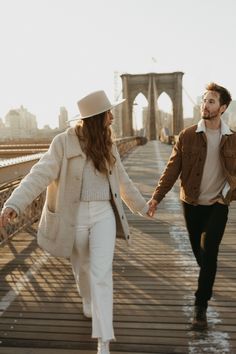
x=60, y=170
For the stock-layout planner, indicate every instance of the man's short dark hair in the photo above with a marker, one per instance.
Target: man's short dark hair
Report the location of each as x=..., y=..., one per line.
x=225, y=96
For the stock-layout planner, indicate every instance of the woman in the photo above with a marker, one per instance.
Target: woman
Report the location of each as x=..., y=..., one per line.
x=85, y=182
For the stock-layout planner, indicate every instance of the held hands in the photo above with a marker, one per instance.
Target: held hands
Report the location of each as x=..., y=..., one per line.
x=152, y=207
x=7, y=215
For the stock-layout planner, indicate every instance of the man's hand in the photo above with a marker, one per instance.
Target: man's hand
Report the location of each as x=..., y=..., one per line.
x=6, y=216
x=152, y=207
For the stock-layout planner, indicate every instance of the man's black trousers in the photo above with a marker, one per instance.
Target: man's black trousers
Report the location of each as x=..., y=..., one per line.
x=205, y=225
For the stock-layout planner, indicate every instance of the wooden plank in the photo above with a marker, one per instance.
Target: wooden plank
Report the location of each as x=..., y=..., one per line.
x=154, y=284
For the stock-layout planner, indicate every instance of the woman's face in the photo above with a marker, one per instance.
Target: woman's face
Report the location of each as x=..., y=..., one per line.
x=108, y=118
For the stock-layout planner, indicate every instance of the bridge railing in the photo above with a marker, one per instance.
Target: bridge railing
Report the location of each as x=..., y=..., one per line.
x=14, y=169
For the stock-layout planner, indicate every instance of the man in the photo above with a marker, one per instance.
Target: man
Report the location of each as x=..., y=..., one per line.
x=205, y=159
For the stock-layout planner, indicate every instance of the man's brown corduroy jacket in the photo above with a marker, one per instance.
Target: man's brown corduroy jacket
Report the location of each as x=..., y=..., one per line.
x=187, y=162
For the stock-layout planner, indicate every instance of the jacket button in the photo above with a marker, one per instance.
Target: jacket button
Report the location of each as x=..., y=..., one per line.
x=115, y=195
x=127, y=237
x=122, y=217
x=110, y=172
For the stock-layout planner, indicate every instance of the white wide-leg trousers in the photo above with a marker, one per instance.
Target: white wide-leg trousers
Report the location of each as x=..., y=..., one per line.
x=91, y=261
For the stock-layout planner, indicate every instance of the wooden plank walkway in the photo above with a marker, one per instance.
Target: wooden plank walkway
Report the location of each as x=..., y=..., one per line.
x=154, y=283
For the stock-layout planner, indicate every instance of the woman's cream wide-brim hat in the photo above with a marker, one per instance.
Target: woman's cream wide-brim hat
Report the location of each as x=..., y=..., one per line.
x=95, y=103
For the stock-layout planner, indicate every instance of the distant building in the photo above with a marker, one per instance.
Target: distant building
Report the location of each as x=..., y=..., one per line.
x=232, y=114
x=12, y=120
x=47, y=133
x=164, y=121
x=2, y=125
x=63, y=119
x=29, y=120
x=188, y=121
x=20, y=123
x=196, y=114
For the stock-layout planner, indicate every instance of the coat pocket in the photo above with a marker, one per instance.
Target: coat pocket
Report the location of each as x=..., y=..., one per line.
x=49, y=224
x=229, y=161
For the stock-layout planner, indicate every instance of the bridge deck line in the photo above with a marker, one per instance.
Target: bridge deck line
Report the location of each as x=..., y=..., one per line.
x=154, y=283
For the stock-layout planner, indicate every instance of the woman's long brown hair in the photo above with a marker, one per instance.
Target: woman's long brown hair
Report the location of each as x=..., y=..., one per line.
x=96, y=141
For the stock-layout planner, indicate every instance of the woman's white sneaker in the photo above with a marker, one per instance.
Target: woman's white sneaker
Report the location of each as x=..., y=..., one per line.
x=87, y=310
x=103, y=347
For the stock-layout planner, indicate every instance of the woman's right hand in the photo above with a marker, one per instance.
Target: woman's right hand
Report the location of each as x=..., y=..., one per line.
x=6, y=216
x=152, y=207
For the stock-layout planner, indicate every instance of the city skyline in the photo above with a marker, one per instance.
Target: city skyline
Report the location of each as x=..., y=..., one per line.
x=62, y=117
x=139, y=106
x=20, y=124
x=54, y=52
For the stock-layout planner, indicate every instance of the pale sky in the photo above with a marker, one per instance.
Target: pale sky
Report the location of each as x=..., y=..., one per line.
x=55, y=51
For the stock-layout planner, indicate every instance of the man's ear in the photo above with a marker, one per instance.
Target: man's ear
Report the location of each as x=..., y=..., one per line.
x=223, y=108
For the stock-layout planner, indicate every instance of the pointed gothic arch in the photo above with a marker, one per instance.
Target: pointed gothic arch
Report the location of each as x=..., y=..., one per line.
x=152, y=85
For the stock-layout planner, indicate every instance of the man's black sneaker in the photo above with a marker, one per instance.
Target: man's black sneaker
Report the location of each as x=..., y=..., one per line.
x=199, y=318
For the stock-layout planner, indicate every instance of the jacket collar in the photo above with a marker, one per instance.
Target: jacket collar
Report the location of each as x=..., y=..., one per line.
x=72, y=147
x=223, y=127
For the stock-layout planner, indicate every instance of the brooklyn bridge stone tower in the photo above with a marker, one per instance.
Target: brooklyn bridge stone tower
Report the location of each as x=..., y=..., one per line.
x=152, y=85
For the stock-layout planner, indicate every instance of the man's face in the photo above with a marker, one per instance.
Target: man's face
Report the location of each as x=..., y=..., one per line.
x=210, y=107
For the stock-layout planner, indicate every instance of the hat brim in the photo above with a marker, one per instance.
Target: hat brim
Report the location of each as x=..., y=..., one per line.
x=79, y=117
